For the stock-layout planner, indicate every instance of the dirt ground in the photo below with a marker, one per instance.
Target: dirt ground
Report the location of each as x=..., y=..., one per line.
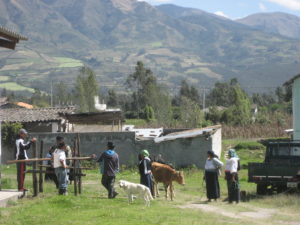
x=246, y=212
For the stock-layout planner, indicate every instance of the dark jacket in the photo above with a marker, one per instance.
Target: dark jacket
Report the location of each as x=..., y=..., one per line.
x=21, y=147
x=145, y=166
x=109, y=161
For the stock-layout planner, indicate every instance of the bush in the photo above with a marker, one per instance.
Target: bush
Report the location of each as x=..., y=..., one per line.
x=9, y=132
x=249, y=145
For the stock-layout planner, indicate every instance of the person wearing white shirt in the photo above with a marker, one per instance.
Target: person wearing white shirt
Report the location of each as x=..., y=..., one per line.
x=21, y=154
x=60, y=167
x=212, y=166
x=231, y=175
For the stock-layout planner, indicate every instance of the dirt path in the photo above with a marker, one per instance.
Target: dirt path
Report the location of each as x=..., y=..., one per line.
x=243, y=211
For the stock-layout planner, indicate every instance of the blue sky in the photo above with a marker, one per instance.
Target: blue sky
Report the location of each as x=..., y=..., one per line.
x=235, y=9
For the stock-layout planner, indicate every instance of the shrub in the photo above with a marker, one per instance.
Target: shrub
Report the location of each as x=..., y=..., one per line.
x=249, y=145
x=9, y=132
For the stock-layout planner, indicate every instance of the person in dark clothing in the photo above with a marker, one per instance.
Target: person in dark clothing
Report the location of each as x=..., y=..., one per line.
x=231, y=175
x=212, y=165
x=50, y=172
x=21, y=148
x=109, y=166
x=145, y=170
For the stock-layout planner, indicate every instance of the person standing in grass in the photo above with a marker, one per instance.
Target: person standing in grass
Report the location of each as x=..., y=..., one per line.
x=21, y=153
x=231, y=175
x=109, y=166
x=212, y=166
x=145, y=169
x=60, y=167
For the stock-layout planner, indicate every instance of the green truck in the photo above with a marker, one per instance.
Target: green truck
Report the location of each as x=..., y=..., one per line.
x=280, y=170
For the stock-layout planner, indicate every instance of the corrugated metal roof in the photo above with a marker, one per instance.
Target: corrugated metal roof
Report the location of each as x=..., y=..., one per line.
x=188, y=133
x=24, y=115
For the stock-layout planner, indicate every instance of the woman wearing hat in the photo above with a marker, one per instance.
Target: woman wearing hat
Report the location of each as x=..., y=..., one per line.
x=212, y=166
x=145, y=169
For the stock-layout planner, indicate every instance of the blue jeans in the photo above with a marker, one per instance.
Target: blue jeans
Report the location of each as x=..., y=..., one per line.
x=61, y=174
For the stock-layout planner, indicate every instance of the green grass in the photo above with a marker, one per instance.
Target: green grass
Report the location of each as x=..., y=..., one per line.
x=93, y=207
x=247, y=150
x=156, y=44
x=4, y=78
x=136, y=122
x=67, y=62
x=12, y=86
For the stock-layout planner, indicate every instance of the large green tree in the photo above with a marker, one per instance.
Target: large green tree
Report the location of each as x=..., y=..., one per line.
x=147, y=93
x=86, y=88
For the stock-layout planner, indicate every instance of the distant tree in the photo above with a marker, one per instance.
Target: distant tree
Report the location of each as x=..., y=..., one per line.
x=86, y=89
x=112, y=98
x=61, y=94
x=280, y=94
x=146, y=92
x=189, y=92
x=240, y=112
x=39, y=99
x=190, y=113
x=149, y=113
x=221, y=95
x=288, y=93
x=9, y=132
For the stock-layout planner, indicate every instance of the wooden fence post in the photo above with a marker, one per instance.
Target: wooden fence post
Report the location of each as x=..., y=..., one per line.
x=74, y=168
x=34, y=168
x=79, y=170
x=41, y=180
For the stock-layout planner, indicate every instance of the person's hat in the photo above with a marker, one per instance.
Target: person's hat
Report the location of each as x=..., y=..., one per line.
x=23, y=131
x=110, y=145
x=145, y=153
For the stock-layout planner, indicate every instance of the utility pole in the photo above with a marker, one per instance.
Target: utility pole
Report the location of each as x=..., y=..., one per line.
x=51, y=93
x=203, y=99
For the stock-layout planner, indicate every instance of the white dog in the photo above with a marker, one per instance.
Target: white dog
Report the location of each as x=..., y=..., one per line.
x=138, y=189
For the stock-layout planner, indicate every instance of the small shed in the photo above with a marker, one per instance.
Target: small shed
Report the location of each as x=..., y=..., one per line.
x=95, y=121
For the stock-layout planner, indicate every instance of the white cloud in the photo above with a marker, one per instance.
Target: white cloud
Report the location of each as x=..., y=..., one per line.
x=290, y=4
x=220, y=13
x=262, y=7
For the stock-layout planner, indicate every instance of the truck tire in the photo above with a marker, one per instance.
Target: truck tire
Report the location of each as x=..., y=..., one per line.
x=281, y=188
x=261, y=189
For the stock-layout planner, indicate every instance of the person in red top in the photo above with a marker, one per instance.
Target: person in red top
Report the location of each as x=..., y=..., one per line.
x=21, y=153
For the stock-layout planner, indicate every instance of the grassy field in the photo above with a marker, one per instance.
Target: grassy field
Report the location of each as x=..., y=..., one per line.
x=12, y=86
x=189, y=206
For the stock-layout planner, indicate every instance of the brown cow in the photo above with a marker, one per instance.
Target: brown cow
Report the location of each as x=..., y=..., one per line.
x=165, y=174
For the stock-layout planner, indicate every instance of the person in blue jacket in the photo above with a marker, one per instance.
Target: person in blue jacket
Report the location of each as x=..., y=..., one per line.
x=109, y=166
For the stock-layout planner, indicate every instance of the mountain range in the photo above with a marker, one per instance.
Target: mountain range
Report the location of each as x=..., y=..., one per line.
x=176, y=43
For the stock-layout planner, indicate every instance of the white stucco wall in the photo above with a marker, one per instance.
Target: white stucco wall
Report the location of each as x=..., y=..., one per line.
x=296, y=109
x=217, y=142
